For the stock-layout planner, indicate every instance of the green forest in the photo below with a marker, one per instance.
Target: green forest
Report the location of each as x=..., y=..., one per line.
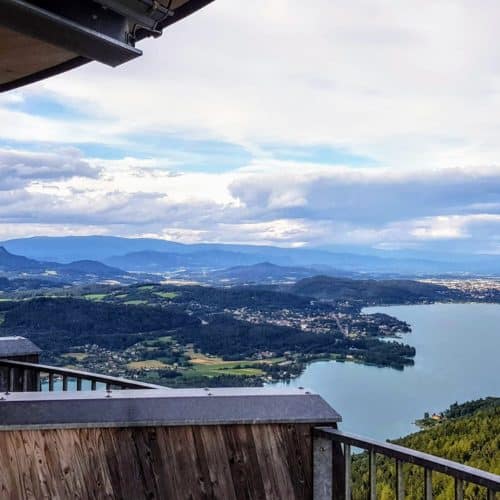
x=469, y=434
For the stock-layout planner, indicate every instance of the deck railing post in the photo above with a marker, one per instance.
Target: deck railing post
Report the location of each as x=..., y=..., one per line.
x=25, y=379
x=348, y=471
x=17, y=371
x=459, y=489
x=322, y=469
x=400, y=480
x=38, y=385
x=428, y=495
x=338, y=472
x=372, y=459
x=401, y=455
x=11, y=379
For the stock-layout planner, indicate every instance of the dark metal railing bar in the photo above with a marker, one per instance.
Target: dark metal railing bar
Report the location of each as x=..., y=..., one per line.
x=25, y=379
x=437, y=464
x=38, y=383
x=104, y=379
x=93, y=385
x=79, y=384
x=11, y=379
x=400, y=481
x=372, y=465
x=51, y=382
x=459, y=489
x=348, y=470
x=428, y=495
x=65, y=383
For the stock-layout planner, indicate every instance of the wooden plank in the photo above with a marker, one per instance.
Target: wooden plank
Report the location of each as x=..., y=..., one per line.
x=254, y=462
x=22, y=55
x=244, y=463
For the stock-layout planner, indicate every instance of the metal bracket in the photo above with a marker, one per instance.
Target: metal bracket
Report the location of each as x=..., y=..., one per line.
x=105, y=44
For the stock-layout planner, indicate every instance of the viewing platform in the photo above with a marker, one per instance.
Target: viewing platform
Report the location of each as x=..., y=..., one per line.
x=96, y=436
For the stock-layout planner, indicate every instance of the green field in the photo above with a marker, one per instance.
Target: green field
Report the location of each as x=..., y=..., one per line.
x=136, y=302
x=212, y=366
x=167, y=295
x=95, y=296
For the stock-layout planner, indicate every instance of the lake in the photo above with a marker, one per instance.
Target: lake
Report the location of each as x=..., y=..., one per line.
x=458, y=352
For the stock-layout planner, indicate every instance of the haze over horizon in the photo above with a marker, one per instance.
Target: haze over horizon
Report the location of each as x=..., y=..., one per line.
x=351, y=125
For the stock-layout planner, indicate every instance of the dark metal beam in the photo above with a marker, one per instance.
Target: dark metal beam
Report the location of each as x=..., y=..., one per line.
x=106, y=46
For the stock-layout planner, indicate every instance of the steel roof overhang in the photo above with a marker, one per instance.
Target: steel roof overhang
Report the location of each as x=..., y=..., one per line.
x=85, y=31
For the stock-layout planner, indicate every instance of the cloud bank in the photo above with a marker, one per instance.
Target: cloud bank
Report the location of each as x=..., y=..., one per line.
x=350, y=123
x=286, y=203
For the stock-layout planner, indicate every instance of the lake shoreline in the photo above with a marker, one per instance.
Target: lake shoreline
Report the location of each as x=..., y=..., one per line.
x=441, y=336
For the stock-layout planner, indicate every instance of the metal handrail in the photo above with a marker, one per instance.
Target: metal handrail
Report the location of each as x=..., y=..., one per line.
x=80, y=376
x=429, y=463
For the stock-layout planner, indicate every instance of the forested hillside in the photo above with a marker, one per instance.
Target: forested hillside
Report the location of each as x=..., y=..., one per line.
x=470, y=434
x=56, y=324
x=373, y=291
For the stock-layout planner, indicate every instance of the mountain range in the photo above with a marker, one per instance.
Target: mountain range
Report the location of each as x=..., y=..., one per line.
x=161, y=256
x=18, y=266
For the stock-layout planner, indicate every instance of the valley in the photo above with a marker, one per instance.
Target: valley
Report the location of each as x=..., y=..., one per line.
x=246, y=325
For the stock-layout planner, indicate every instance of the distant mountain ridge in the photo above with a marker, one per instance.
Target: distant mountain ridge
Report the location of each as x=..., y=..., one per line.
x=10, y=262
x=266, y=272
x=13, y=265
x=147, y=254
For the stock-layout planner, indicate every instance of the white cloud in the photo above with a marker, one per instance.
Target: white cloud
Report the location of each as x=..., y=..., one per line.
x=19, y=168
x=413, y=83
x=285, y=203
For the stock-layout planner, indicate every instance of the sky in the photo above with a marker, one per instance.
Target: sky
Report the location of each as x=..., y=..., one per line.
x=361, y=124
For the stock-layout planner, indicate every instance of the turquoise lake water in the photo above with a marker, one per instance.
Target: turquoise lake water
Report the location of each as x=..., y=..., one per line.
x=458, y=359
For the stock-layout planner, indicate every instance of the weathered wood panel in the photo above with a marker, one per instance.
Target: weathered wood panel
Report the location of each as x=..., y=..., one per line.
x=258, y=462
x=22, y=55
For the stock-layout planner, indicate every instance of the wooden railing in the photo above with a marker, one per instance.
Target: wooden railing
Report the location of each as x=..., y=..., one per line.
x=329, y=472
x=30, y=376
